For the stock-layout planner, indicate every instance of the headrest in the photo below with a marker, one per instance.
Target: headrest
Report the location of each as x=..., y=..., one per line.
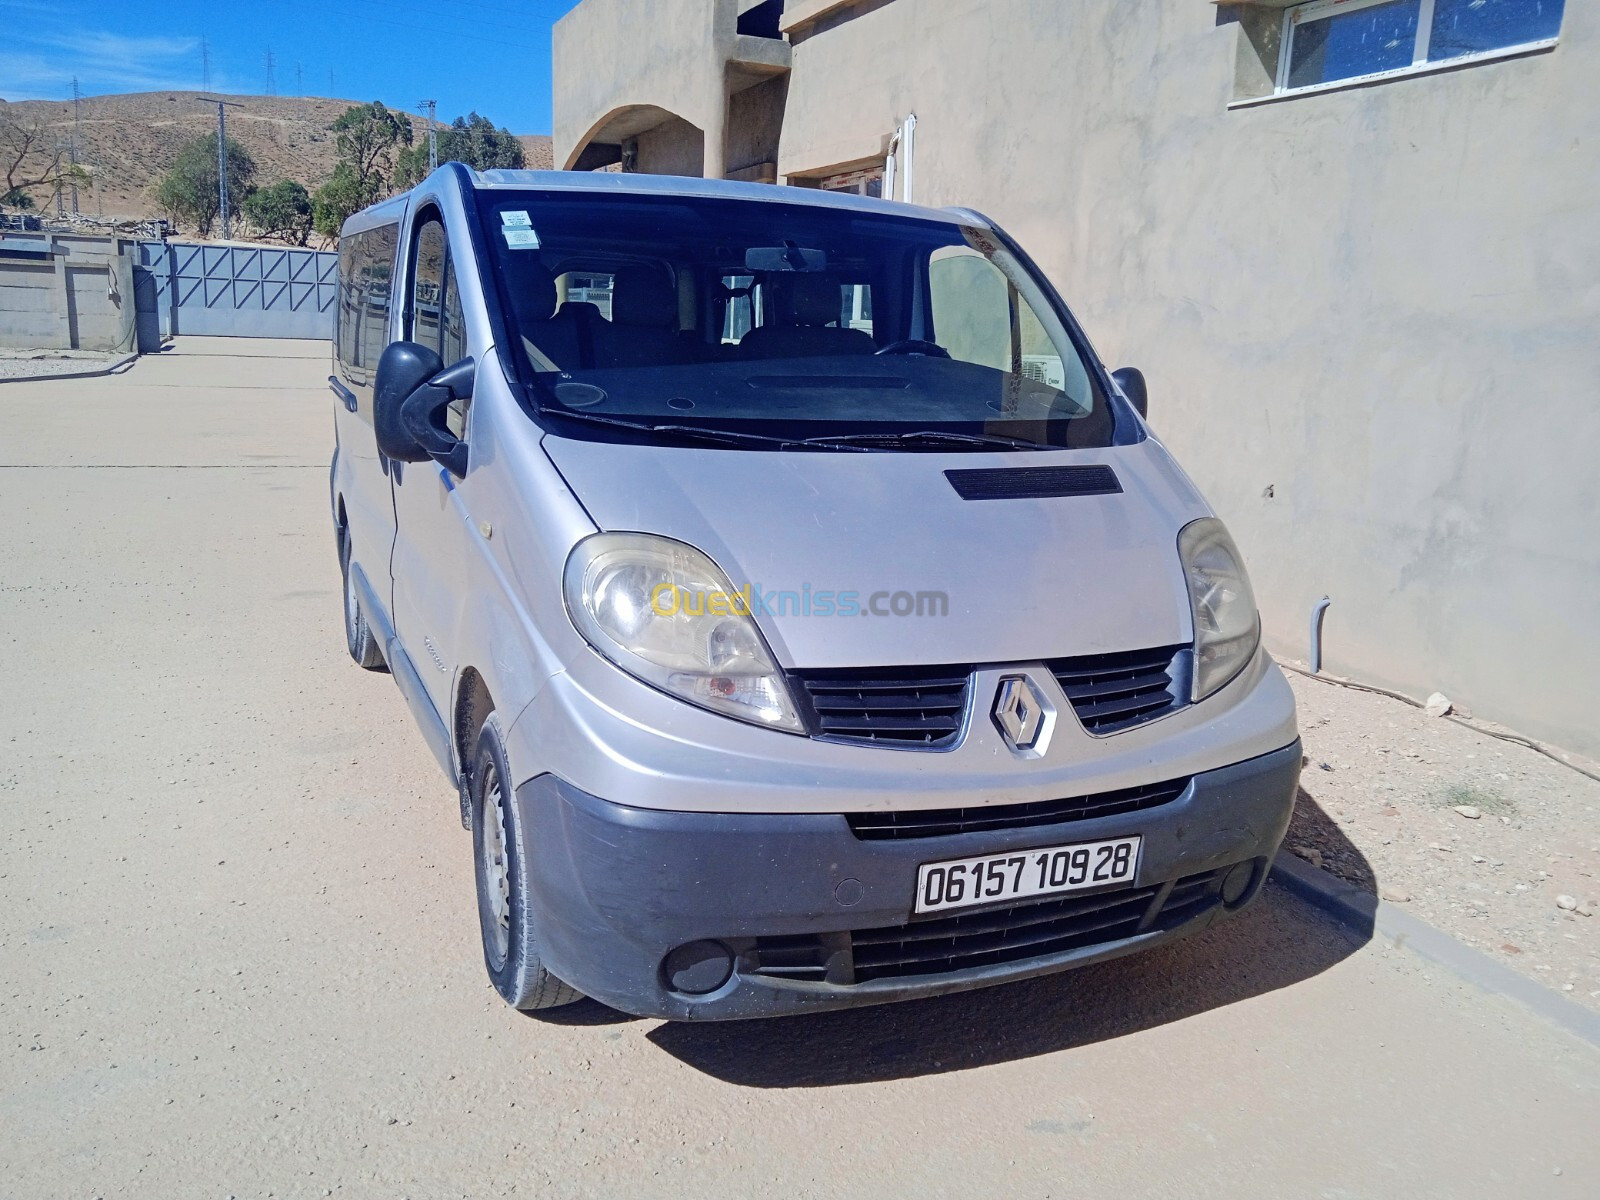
x=644, y=297
x=809, y=299
x=532, y=287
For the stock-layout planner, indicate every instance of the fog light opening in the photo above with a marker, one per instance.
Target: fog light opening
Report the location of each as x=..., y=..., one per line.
x=1236, y=883
x=697, y=968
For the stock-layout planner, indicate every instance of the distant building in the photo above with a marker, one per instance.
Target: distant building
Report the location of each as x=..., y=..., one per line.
x=1354, y=245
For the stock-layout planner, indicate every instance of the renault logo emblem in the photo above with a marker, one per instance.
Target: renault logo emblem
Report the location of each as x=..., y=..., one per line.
x=1020, y=712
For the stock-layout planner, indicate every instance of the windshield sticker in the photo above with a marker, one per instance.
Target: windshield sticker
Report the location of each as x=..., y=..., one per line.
x=517, y=219
x=521, y=239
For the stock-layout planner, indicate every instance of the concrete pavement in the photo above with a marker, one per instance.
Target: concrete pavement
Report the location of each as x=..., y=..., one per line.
x=238, y=946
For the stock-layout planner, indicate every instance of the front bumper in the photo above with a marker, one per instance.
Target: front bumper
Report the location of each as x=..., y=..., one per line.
x=803, y=906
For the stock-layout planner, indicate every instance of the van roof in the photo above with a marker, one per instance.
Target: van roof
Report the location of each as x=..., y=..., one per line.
x=619, y=183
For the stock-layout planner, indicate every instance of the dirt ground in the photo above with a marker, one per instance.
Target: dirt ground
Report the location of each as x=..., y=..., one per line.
x=239, y=951
x=1379, y=797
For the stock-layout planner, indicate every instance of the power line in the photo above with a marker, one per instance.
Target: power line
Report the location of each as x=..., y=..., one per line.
x=205, y=65
x=434, y=30
x=272, y=73
x=299, y=81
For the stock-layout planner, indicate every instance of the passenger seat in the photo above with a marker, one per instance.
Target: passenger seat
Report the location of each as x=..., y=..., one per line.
x=557, y=336
x=808, y=308
x=643, y=330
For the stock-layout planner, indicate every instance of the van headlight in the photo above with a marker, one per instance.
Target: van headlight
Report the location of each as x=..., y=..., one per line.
x=1226, y=627
x=666, y=614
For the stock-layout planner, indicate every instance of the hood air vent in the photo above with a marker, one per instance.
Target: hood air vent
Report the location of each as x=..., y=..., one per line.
x=1033, y=483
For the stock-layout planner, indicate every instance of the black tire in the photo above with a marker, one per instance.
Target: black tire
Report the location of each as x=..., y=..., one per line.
x=358, y=635
x=498, y=842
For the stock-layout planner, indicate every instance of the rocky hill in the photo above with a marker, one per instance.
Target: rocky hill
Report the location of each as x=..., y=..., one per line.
x=129, y=141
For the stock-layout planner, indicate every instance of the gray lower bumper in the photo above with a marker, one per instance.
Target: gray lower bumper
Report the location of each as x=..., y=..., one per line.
x=797, y=899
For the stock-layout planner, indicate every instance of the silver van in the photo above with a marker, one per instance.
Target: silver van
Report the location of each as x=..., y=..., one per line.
x=805, y=614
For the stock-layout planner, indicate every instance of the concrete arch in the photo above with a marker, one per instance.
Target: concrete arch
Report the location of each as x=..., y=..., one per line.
x=657, y=140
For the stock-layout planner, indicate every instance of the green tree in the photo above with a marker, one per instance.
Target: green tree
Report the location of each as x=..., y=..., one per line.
x=369, y=137
x=188, y=191
x=342, y=195
x=16, y=198
x=473, y=139
x=282, y=210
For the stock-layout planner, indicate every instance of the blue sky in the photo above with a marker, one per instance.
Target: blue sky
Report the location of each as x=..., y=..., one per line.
x=488, y=55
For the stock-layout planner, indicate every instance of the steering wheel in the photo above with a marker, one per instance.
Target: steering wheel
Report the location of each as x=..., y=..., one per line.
x=915, y=346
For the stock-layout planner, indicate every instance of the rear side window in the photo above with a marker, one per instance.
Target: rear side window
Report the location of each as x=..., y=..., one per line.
x=366, y=267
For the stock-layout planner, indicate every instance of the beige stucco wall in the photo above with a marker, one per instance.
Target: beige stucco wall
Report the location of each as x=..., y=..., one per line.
x=673, y=147
x=669, y=54
x=1380, y=305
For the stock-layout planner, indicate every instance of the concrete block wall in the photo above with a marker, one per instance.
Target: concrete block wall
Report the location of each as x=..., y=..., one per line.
x=56, y=302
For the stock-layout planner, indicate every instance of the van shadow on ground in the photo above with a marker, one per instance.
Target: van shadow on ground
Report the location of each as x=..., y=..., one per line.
x=1275, y=943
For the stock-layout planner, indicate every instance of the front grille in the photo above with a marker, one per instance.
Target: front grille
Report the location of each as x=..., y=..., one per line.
x=1116, y=691
x=980, y=939
x=942, y=822
x=889, y=706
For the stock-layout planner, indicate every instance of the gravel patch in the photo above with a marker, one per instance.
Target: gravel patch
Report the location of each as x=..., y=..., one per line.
x=30, y=364
x=1490, y=841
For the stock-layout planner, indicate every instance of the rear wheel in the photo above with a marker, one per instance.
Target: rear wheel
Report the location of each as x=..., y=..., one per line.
x=358, y=636
x=499, y=838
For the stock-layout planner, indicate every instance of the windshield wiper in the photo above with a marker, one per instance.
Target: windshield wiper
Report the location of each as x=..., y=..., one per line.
x=924, y=437
x=732, y=437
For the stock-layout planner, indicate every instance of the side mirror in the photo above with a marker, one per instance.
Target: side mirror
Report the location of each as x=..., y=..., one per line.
x=402, y=369
x=423, y=415
x=1129, y=379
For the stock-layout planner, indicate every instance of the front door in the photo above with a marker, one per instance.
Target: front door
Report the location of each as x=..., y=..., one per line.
x=366, y=271
x=433, y=530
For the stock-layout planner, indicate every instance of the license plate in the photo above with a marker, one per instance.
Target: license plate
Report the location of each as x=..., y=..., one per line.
x=1044, y=871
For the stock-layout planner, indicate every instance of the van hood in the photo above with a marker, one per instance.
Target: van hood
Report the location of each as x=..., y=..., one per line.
x=1026, y=579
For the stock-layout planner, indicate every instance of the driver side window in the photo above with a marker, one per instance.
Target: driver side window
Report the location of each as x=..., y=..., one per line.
x=435, y=319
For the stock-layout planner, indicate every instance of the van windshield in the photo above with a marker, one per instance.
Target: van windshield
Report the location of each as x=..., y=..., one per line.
x=767, y=324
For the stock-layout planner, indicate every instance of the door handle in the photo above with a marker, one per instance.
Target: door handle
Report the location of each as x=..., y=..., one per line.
x=344, y=393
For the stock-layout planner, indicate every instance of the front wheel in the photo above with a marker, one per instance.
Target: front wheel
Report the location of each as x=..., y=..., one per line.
x=358, y=636
x=499, y=839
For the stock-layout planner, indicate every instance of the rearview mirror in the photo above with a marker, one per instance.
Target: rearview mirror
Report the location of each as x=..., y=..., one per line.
x=402, y=369
x=787, y=257
x=1130, y=380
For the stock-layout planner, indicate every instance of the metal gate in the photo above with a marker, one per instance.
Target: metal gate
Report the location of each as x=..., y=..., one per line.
x=233, y=291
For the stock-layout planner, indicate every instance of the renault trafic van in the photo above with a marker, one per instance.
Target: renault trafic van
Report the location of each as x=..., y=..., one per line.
x=805, y=614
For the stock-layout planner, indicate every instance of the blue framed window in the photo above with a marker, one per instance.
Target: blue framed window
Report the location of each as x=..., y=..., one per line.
x=1331, y=40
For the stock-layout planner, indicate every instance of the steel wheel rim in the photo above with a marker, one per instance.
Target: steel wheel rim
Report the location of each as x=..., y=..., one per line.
x=496, y=870
x=352, y=606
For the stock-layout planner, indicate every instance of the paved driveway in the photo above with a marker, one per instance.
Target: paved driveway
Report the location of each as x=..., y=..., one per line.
x=238, y=950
